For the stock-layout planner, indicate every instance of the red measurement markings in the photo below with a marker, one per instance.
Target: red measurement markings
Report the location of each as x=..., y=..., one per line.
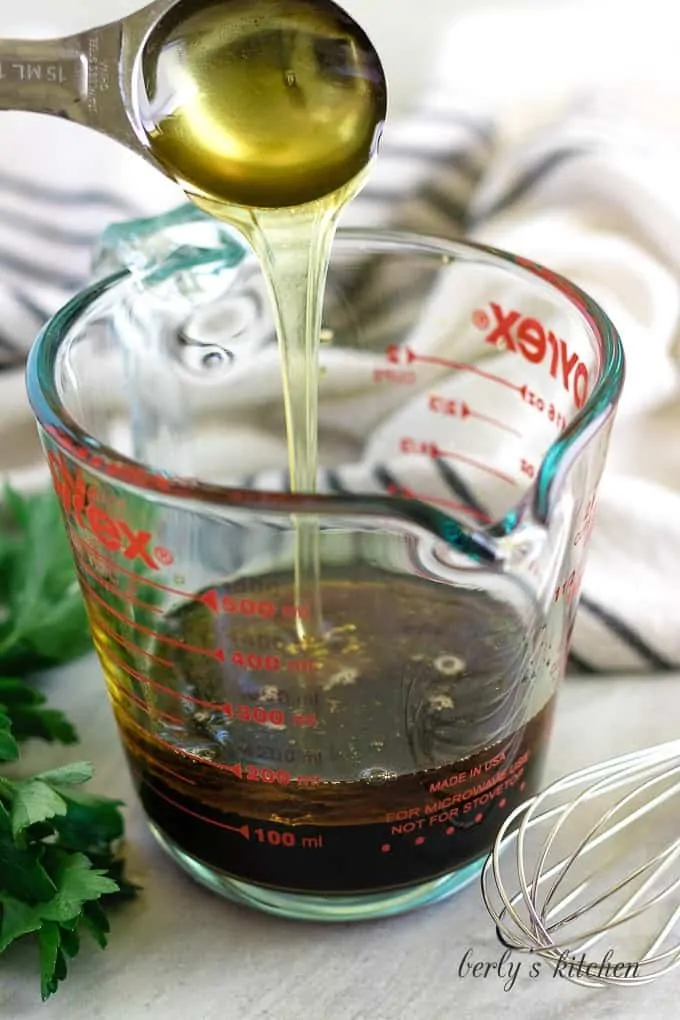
x=143, y=679
x=430, y=449
x=207, y=597
x=402, y=490
x=132, y=647
x=80, y=507
x=236, y=770
x=404, y=355
x=261, y=774
x=243, y=830
x=309, y=780
x=213, y=653
x=569, y=588
x=272, y=663
x=398, y=376
x=303, y=666
x=83, y=566
x=175, y=775
x=258, y=607
x=585, y=517
x=534, y=400
x=211, y=598
x=255, y=714
x=146, y=709
x=305, y=721
x=459, y=409
x=244, y=713
x=530, y=340
x=288, y=839
x=250, y=773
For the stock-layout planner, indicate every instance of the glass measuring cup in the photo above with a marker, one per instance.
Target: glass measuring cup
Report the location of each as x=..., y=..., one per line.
x=466, y=398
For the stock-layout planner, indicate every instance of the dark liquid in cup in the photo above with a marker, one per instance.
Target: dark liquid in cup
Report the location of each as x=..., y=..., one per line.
x=385, y=756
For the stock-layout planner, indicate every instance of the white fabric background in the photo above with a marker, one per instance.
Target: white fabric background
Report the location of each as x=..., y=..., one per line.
x=611, y=221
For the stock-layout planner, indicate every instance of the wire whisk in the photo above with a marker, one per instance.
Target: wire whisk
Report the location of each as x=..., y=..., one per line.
x=594, y=860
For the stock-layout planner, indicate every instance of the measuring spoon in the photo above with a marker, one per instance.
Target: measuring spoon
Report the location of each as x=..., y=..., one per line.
x=262, y=103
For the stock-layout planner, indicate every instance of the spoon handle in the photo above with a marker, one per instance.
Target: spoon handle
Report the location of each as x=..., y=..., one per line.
x=75, y=78
x=85, y=78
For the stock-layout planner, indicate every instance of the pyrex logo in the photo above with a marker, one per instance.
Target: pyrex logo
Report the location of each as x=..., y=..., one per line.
x=520, y=334
x=79, y=503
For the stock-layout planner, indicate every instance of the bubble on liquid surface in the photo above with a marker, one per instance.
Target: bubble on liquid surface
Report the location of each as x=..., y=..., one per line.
x=441, y=702
x=343, y=678
x=377, y=776
x=449, y=665
x=207, y=753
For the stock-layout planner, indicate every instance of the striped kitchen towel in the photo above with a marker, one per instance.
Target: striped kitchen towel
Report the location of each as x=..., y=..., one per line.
x=590, y=193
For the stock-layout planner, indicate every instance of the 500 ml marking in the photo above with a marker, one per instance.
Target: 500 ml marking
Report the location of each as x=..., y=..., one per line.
x=111, y=533
x=263, y=608
x=212, y=599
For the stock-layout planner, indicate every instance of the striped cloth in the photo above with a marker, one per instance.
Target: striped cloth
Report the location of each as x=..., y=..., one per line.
x=590, y=193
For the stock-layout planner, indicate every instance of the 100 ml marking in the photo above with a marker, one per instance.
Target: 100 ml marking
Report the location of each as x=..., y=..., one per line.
x=272, y=837
x=288, y=839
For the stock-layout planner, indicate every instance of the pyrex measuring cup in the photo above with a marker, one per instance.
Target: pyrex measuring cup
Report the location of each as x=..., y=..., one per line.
x=466, y=399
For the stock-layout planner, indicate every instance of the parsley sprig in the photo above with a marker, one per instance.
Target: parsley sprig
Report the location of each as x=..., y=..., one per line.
x=59, y=860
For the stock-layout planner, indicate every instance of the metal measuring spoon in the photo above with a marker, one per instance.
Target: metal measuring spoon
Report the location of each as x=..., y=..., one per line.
x=268, y=103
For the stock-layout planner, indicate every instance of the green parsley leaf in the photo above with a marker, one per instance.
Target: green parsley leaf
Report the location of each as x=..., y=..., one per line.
x=77, y=882
x=91, y=823
x=97, y=923
x=48, y=940
x=41, y=608
x=68, y=775
x=59, y=861
x=23, y=875
x=34, y=801
x=18, y=919
x=25, y=706
x=9, y=749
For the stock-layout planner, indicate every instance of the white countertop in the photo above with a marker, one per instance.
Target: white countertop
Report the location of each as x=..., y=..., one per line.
x=179, y=953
